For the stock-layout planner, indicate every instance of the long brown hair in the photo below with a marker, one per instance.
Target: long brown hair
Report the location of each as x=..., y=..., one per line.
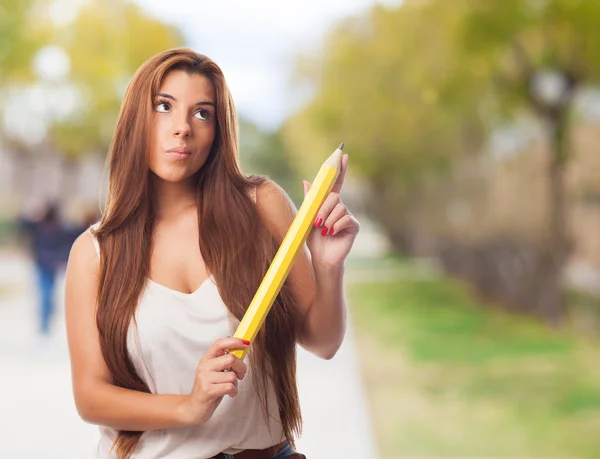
x=237, y=246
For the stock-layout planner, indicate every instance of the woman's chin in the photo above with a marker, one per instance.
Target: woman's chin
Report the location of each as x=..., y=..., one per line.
x=174, y=176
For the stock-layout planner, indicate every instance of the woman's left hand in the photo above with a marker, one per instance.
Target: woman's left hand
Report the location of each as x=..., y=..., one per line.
x=334, y=228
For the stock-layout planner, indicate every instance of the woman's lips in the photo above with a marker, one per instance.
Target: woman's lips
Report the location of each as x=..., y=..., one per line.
x=178, y=153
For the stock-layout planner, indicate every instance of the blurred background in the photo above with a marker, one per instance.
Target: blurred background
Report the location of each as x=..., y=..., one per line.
x=473, y=131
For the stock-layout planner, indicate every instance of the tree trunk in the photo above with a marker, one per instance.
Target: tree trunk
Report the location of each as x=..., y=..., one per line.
x=552, y=300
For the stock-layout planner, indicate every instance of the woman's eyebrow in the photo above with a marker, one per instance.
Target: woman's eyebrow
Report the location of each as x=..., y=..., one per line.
x=169, y=96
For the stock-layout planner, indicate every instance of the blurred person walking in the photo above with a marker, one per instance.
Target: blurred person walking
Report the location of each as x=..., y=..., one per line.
x=50, y=241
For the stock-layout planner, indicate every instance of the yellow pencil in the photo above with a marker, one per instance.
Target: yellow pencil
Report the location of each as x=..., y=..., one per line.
x=289, y=248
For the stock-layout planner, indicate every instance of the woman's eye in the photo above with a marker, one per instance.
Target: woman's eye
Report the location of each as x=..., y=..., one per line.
x=202, y=114
x=162, y=107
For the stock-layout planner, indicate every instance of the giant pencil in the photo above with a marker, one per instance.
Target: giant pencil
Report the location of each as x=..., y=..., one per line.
x=290, y=247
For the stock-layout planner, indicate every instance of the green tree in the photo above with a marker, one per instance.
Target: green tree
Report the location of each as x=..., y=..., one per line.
x=21, y=36
x=539, y=54
x=388, y=86
x=264, y=153
x=414, y=90
x=106, y=43
x=22, y=33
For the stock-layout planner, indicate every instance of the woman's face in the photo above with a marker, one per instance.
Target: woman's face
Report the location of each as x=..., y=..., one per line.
x=183, y=127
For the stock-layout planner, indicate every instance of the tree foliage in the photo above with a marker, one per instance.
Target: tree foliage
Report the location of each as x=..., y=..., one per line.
x=106, y=43
x=391, y=86
x=263, y=152
x=414, y=90
x=20, y=37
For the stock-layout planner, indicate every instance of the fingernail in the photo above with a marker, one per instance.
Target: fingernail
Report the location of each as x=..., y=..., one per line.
x=324, y=231
x=331, y=231
x=318, y=222
x=245, y=341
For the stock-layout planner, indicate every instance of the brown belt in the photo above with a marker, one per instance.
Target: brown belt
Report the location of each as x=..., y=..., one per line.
x=260, y=453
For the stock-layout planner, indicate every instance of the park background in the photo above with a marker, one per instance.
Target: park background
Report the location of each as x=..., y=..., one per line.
x=473, y=132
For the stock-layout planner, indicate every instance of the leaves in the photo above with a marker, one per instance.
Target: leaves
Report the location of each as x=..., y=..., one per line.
x=20, y=39
x=415, y=90
x=107, y=42
x=387, y=87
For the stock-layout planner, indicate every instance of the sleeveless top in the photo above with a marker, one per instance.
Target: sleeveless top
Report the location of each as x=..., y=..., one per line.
x=171, y=332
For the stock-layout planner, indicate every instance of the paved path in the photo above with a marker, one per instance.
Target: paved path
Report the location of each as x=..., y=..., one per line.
x=38, y=419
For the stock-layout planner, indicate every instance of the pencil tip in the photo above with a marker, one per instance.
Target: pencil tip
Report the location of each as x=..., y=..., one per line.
x=341, y=147
x=335, y=160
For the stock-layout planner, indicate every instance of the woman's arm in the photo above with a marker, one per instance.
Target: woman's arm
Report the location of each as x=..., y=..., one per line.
x=316, y=284
x=325, y=318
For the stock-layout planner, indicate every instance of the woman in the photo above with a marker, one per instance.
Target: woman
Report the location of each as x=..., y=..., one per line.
x=155, y=289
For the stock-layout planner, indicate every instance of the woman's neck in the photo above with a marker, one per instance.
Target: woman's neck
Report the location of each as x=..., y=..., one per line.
x=173, y=199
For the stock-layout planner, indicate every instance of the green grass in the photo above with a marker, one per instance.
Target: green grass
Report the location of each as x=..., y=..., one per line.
x=449, y=377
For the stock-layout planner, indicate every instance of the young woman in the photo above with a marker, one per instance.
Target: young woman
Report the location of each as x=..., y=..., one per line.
x=155, y=289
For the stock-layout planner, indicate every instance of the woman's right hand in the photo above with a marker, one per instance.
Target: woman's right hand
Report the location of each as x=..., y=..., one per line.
x=217, y=375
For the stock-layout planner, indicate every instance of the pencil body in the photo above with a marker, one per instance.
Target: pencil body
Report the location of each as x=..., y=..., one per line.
x=288, y=250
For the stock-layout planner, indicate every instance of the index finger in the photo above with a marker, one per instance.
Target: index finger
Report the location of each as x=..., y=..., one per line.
x=340, y=180
x=222, y=345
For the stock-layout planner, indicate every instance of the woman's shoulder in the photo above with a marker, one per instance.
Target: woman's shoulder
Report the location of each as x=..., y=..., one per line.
x=271, y=192
x=275, y=205
x=83, y=252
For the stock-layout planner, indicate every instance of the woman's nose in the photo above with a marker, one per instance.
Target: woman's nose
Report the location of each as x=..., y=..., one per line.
x=181, y=127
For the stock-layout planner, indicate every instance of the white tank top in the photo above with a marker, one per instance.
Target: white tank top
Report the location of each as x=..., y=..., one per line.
x=174, y=330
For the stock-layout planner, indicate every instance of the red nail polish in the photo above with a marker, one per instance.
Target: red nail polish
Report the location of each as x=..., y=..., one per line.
x=245, y=341
x=324, y=231
x=331, y=231
x=318, y=222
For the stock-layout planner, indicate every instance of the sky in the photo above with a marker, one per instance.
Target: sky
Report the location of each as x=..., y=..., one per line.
x=255, y=42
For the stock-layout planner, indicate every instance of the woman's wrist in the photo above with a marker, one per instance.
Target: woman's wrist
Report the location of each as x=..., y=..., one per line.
x=186, y=414
x=328, y=270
